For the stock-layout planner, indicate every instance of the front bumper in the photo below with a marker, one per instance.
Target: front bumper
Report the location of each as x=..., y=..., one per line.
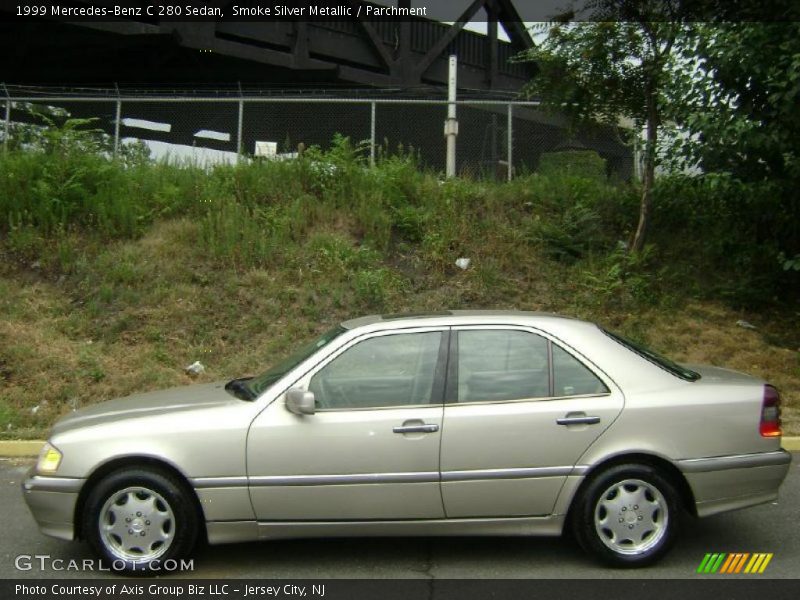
x=724, y=483
x=52, y=501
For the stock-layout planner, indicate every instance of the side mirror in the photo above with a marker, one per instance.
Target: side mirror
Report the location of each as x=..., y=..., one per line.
x=300, y=402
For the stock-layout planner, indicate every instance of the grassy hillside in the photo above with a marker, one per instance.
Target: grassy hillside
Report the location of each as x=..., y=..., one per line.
x=115, y=275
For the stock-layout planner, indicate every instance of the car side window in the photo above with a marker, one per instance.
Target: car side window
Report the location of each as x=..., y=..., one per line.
x=501, y=365
x=572, y=378
x=389, y=370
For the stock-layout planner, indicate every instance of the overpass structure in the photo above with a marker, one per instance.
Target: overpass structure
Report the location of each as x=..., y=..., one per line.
x=250, y=66
x=139, y=50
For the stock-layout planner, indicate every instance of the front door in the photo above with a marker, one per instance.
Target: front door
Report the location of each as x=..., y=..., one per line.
x=371, y=450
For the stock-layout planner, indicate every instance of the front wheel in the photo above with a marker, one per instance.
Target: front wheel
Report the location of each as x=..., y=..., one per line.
x=627, y=516
x=136, y=519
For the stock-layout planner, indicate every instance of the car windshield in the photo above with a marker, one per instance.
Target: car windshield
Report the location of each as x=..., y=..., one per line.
x=654, y=357
x=260, y=383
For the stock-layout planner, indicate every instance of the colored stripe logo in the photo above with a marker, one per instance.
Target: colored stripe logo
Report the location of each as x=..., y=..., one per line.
x=735, y=563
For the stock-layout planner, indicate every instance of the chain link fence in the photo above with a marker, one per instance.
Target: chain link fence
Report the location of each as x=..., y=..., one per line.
x=496, y=139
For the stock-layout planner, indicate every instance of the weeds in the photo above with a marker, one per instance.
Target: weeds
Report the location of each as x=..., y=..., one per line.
x=621, y=279
x=116, y=273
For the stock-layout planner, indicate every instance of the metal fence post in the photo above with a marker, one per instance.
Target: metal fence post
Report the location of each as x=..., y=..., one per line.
x=7, y=126
x=116, y=127
x=372, y=135
x=239, y=129
x=7, y=129
x=510, y=141
x=117, y=120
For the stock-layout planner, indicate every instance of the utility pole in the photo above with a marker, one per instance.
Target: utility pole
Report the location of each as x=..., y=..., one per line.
x=451, y=124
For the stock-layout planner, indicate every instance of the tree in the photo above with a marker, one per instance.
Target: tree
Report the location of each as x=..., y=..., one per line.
x=615, y=66
x=738, y=104
x=739, y=100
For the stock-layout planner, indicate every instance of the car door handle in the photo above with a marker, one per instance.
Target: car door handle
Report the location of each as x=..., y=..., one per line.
x=422, y=428
x=578, y=420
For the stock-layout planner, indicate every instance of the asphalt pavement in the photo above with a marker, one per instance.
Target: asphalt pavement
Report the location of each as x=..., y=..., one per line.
x=771, y=528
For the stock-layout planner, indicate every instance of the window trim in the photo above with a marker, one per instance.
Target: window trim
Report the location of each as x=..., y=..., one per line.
x=451, y=383
x=551, y=372
x=451, y=397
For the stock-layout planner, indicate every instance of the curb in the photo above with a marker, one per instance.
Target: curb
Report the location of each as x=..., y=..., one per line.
x=13, y=448
x=21, y=448
x=791, y=443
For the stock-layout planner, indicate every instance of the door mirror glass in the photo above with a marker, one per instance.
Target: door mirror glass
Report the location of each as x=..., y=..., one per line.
x=300, y=402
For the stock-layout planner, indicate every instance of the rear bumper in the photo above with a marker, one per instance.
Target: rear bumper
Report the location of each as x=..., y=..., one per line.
x=724, y=483
x=51, y=501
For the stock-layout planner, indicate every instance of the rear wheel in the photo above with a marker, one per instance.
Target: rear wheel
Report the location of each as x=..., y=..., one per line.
x=136, y=519
x=627, y=515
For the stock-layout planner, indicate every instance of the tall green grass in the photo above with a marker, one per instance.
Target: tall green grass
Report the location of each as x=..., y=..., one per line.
x=61, y=194
x=116, y=273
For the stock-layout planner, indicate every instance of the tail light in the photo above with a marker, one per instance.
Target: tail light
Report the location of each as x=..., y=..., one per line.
x=770, y=424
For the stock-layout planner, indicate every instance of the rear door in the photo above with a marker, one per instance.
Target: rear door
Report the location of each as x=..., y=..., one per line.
x=519, y=411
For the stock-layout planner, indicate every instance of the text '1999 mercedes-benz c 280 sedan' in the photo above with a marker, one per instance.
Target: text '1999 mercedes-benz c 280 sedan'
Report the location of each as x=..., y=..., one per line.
x=455, y=423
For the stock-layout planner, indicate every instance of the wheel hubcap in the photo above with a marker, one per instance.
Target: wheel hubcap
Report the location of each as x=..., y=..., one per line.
x=631, y=517
x=137, y=524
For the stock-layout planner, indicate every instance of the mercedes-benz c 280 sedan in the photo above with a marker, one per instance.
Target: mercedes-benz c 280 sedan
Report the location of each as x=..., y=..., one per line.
x=456, y=423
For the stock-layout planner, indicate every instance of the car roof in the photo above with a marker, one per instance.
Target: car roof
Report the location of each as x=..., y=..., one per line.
x=454, y=317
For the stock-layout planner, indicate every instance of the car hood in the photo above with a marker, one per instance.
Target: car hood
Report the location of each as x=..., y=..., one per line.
x=709, y=374
x=186, y=398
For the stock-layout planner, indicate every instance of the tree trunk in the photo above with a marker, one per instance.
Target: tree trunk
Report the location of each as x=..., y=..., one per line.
x=648, y=177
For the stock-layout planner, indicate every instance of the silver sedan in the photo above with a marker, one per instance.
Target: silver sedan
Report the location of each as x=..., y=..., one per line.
x=456, y=423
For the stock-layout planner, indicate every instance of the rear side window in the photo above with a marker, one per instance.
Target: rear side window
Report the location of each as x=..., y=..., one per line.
x=507, y=364
x=572, y=378
x=501, y=365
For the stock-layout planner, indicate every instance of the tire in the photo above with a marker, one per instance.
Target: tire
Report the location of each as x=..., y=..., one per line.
x=135, y=519
x=627, y=516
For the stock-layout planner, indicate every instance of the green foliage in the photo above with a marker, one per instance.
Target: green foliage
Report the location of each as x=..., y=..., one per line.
x=236, y=264
x=614, y=66
x=731, y=238
x=620, y=279
x=410, y=222
x=568, y=236
x=8, y=416
x=789, y=264
x=601, y=70
x=737, y=103
x=374, y=287
x=574, y=216
x=573, y=163
x=366, y=235
x=337, y=255
x=63, y=178
x=241, y=235
x=738, y=99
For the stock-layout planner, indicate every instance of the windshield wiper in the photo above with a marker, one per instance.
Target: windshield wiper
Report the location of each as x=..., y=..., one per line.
x=239, y=389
